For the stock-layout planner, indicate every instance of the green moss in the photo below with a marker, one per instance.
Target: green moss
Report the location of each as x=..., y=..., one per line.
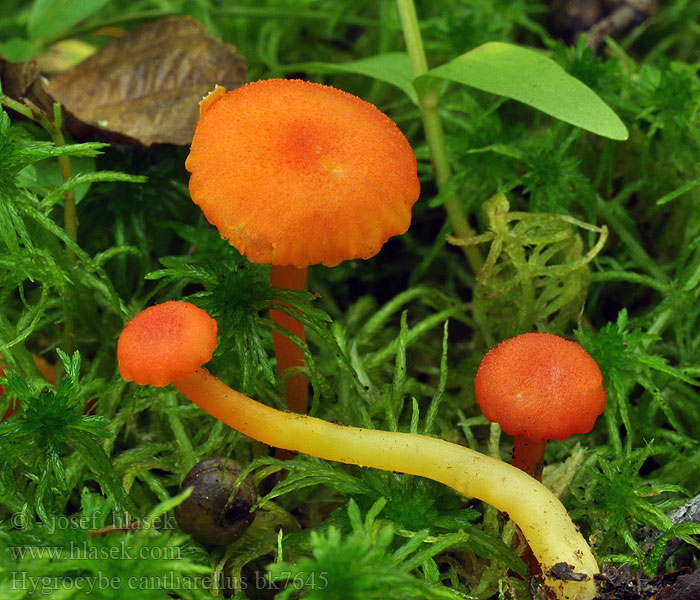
x=566, y=232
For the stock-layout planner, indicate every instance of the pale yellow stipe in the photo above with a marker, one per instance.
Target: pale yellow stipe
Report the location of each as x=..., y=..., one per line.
x=543, y=520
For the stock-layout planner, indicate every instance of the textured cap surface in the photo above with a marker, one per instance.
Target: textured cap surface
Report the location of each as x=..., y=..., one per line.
x=298, y=173
x=166, y=342
x=540, y=386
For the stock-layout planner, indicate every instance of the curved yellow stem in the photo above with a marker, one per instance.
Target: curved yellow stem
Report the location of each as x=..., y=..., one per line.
x=554, y=539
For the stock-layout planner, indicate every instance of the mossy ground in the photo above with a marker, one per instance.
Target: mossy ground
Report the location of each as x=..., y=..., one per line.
x=593, y=239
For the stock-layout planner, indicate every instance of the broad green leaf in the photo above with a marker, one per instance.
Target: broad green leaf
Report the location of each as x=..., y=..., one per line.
x=533, y=79
x=46, y=175
x=17, y=49
x=392, y=67
x=49, y=17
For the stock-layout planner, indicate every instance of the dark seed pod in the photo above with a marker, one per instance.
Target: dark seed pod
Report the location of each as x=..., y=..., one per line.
x=210, y=514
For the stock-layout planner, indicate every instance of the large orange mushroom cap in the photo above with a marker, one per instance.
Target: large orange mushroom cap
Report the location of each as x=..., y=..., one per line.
x=540, y=386
x=298, y=173
x=166, y=342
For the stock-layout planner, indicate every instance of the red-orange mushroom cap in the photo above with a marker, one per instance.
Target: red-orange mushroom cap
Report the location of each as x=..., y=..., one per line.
x=166, y=342
x=540, y=386
x=298, y=173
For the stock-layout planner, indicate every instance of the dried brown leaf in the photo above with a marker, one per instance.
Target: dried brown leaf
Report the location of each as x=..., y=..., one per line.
x=21, y=81
x=17, y=77
x=63, y=55
x=147, y=85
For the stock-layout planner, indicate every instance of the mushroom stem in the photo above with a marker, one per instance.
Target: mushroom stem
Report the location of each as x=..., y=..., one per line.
x=288, y=355
x=543, y=520
x=528, y=455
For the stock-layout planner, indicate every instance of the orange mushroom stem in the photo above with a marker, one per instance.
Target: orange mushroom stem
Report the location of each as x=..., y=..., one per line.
x=539, y=387
x=528, y=455
x=169, y=342
x=288, y=355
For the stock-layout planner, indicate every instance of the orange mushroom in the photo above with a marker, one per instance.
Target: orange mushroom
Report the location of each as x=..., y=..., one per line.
x=166, y=342
x=294, y=173
x=539, y=387
x=152, y=348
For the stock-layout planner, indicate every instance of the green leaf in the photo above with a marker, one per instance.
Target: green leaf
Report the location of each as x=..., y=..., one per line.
x=46, y=175
x=160, y=509
x=691, y=185
x=18, y=49
x=392, y=67
x=50, y=17
x=81, y=183
x=431, y=417
x=533, y=79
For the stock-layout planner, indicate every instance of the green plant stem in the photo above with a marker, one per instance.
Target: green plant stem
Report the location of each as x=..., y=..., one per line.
x=17, y=107
x=70, y=215
x=434, y=134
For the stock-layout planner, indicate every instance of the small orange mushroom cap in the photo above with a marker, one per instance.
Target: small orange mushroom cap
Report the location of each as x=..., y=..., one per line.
x=298, y=173
x=540, y=386
x=166, y=342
